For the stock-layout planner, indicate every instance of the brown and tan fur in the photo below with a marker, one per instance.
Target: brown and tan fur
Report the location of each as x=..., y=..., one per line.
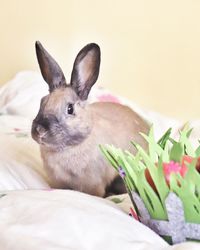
x=69, y=143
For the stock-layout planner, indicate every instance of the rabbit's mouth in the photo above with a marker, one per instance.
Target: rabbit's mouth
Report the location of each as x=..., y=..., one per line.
x=39, y=139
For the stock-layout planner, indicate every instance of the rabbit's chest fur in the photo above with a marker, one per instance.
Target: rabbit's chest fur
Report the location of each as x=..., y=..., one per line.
x=81, y=168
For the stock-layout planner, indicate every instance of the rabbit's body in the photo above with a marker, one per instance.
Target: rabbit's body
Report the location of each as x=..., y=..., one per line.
x=70, y=131
x=83, y=167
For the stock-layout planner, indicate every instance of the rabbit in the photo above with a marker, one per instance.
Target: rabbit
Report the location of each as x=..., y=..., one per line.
x=69, y=130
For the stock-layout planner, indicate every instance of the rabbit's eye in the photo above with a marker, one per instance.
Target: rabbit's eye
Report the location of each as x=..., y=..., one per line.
x=70, y=109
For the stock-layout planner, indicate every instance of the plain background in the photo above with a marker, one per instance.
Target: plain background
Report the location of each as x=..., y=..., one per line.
x=150, y=49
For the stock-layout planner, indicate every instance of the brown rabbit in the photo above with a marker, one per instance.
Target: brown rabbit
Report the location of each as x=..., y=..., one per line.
x=69, y=130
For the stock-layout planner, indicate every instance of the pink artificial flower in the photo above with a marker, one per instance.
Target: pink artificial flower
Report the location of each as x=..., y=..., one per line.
x=173, y=167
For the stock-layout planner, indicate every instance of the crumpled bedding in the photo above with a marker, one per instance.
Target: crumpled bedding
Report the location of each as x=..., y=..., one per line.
x=61, y=219
x=64, y=219
x=20, y=161
x=37, y=217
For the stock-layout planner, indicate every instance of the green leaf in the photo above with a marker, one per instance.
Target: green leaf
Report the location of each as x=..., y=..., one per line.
x=190, y=201
x=165, y=155
x=197, y=151
x=184, y=140
x=150, y=198
x=161, y=182
x=163, y=140
x=189, y=132
x=154, y=148
x=177, y=152
x=105, y=150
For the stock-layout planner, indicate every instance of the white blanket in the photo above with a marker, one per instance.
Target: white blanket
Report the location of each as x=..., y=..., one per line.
x=60, y=219
x=68, y=220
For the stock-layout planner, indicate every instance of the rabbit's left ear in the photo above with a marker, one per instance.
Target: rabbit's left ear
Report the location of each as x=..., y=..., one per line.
x=49, y=68
x=86, y=70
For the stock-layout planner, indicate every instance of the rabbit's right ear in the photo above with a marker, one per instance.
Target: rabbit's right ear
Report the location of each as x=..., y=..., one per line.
x=86, y=70
x=49, y=68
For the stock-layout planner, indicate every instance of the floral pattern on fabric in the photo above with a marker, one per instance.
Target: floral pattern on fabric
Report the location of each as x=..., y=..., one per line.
x=18, y=133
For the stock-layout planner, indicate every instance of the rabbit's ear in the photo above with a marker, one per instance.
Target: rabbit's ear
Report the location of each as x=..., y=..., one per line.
x=50, y=70
x=86, y=70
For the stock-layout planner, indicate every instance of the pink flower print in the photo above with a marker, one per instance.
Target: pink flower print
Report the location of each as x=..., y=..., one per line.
x=108, y=98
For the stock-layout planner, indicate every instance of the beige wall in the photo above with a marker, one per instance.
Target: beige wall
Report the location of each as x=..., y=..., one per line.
x=150, y=49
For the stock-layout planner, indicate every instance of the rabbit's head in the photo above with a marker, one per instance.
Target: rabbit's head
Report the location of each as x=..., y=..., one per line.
x=63, y=118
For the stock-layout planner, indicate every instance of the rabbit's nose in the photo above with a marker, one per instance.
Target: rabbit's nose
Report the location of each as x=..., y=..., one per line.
x=40, y=130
